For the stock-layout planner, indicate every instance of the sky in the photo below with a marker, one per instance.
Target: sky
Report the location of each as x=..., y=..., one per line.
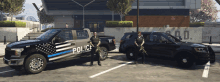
x=31, y=11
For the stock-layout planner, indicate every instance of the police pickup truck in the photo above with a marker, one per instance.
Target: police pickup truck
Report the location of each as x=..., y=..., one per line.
x=160, y=44
x=51, y=46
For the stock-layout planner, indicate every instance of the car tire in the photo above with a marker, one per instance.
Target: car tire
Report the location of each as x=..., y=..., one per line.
x=17, y=68
x=130, y=54
x=104, y=53
x=185, y=61
x=40, y=65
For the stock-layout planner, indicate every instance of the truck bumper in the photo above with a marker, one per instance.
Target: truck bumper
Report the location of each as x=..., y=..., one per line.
x=13, y=62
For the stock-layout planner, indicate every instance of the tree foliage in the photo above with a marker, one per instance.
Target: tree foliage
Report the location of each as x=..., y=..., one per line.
x=13, y=7
x=208, y=12
x=44, y=18
x=122, y=7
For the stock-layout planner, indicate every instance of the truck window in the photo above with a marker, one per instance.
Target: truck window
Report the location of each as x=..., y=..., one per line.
x=68, y=35
x=65, y=35
x=129, y=36
x=82, y=34
x=146, y=37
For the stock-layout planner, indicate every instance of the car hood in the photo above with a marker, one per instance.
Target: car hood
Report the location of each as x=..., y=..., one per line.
x=21, y=44
x=191, y=44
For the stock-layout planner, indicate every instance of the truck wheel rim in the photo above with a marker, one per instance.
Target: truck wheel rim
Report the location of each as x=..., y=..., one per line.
x=36, y=64
x=131, y=54
x=104, y=53
x=184, y=60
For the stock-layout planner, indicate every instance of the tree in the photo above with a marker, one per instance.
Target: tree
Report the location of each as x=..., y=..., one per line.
x=208, y=12
x=4, y=6
x=44, y=18
x=15, y=7
x=122, y=7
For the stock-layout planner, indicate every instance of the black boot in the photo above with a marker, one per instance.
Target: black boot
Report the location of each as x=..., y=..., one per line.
x=99, y=64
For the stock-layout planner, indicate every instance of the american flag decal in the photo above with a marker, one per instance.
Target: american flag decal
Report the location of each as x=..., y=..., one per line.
x=47, y=48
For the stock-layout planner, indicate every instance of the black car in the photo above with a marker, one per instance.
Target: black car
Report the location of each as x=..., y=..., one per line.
x=160, y=44
x=53, y=45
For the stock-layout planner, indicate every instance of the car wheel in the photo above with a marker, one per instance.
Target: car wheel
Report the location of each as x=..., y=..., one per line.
x=17, y=68
x=185, y=61
x=130, y=54
x=35, y=63
x=104, y=53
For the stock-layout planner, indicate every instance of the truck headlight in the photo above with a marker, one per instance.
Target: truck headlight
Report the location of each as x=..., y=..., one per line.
x=18, y=51
x=200, y=49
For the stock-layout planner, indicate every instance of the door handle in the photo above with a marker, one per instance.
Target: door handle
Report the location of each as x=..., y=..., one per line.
x=72, y=43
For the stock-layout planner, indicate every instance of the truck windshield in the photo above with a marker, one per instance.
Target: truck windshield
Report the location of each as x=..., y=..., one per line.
x=48, y=34
x=174, y=39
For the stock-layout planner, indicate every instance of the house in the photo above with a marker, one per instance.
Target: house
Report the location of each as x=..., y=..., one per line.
x=152, y=12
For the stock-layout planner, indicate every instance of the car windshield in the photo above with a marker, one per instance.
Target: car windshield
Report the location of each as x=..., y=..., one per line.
x=174, y=39
x=48, y=34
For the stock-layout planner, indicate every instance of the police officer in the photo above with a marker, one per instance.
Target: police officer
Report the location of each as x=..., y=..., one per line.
x=139, y=41
x=95, y=42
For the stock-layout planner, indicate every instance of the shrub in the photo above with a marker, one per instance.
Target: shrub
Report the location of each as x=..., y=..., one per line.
x=119, y=23
x=12, y=24
x=196, y=24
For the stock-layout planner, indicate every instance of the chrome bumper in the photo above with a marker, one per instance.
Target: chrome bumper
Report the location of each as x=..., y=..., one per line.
x=13, y=62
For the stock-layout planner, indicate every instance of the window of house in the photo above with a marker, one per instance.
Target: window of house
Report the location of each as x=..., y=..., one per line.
x=177, y=33
x=186, y=34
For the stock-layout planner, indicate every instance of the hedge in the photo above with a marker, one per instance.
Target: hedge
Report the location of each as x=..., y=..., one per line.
x=119, y=23
x=12, y=24
x=197, y=24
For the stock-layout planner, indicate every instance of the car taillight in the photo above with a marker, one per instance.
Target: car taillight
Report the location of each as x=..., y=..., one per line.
x=113, y=40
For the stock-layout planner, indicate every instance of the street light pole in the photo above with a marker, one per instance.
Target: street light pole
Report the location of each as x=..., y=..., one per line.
x=137, y=14
x=83, y=8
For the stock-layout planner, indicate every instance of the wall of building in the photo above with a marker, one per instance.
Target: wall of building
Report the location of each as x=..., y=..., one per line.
x=60, y=21
x=159, y=21
x=195, y=33
x=12, y=32
x=21, y=32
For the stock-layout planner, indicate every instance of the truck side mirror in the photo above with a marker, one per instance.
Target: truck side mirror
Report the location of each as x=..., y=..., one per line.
x=57, y=40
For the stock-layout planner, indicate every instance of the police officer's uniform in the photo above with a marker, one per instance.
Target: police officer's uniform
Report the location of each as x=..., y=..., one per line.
x=139, y=48
x=95, y=41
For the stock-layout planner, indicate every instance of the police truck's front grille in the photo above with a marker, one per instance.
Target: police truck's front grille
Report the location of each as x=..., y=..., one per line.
x=8, y=53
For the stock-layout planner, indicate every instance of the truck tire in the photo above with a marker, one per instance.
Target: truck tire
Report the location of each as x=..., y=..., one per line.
x=130, y=54
x=35, y=63
x=185, y=60
x=17, y=68
x=104, y=53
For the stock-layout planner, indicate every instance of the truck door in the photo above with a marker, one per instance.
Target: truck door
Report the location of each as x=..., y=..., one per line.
x=64, y=45
x=82, y=41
